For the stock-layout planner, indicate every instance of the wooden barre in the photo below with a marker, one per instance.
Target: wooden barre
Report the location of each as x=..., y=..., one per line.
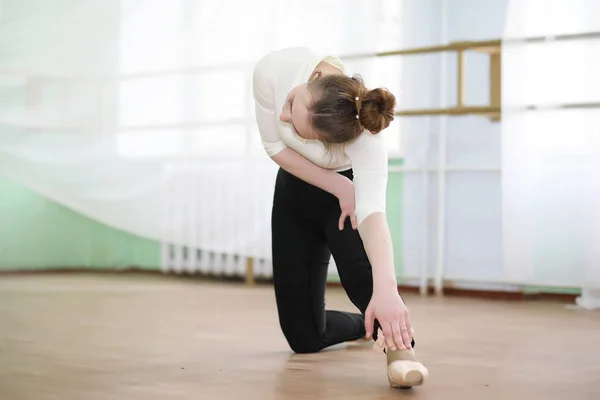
x=493, y=48
x=485, y=46
x=490, y=47
x=463, y=110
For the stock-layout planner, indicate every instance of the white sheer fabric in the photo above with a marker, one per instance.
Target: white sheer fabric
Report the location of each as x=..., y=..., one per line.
x=551, y=184
x=139, y=114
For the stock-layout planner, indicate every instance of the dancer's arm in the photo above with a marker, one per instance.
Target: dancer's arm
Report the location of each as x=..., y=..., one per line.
x=377, y=239
x=370, y=167
x=323, y=178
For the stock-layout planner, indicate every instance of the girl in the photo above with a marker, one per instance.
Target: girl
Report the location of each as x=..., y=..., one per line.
x=321, y=127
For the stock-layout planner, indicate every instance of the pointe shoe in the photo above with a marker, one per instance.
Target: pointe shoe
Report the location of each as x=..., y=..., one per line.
x=403, y=370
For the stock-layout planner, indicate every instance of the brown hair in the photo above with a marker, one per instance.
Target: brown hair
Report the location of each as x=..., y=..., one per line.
x=340, y=99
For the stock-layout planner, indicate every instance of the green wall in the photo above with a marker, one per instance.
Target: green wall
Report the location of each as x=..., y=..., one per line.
x=37, y=233
x=394, y=213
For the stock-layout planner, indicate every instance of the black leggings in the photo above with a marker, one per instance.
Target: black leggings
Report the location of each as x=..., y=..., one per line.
x=305, y=234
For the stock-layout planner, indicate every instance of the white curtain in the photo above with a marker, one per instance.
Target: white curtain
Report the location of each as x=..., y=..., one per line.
x=138, y=113
x=550, y=157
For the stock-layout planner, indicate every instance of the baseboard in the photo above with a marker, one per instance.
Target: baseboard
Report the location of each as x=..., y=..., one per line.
x=79, y=270
x=567, y=298
x=487, y=294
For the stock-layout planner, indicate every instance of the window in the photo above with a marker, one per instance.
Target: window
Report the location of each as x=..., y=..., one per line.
x=186, y=67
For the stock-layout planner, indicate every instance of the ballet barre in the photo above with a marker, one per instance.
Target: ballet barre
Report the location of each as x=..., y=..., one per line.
x=493, y=48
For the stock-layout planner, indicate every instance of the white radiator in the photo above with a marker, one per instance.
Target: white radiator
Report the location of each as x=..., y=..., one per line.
x=217, y=216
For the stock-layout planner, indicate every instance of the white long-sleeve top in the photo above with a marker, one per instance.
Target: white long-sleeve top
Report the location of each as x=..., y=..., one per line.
x=274, y=76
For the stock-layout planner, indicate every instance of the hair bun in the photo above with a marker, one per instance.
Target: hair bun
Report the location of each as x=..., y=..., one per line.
x=377, y=110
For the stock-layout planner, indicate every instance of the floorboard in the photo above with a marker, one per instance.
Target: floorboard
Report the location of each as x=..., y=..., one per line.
x=88, y=337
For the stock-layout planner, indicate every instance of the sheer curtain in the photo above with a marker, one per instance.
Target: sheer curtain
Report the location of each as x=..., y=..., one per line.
x=551, y=189
x=138, y=113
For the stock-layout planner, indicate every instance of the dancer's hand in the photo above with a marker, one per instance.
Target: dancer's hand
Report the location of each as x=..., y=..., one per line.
x=391, y=312
x=345, y=194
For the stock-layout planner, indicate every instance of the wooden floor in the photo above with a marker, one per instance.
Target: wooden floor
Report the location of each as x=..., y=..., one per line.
x=91, y=337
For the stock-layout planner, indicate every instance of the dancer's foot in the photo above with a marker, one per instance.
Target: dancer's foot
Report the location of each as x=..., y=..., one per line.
x=403, y=369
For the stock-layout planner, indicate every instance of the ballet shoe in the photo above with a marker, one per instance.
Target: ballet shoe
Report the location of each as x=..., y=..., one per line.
x=403, y=369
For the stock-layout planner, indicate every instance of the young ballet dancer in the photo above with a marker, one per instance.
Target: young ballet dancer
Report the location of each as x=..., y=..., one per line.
x=322, y=128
